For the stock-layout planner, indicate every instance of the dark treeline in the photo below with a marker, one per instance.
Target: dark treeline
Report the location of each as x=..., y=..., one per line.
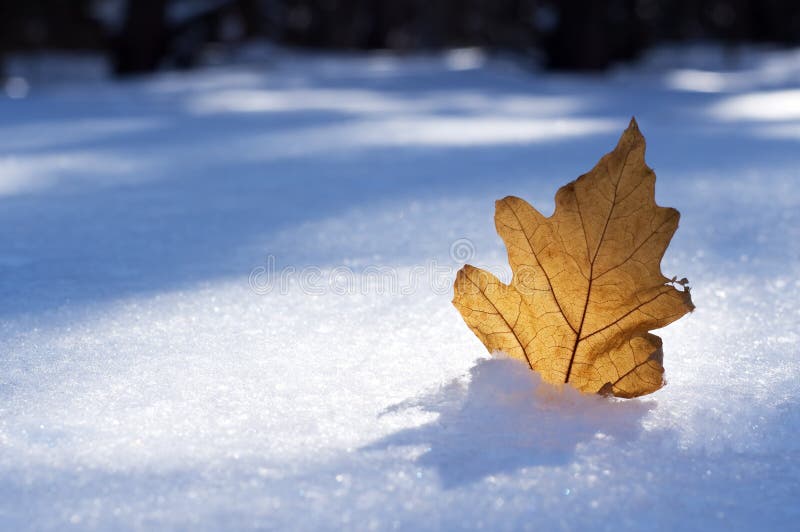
x=141, y=35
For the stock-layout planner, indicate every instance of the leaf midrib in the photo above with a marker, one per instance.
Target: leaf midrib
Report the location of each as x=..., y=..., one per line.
x=592, y=261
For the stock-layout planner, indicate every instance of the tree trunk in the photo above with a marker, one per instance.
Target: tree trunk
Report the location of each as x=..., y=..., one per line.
x=581, y=40
x=141, y=44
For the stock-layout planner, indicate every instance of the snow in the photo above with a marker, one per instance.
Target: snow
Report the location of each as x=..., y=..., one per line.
x=151, y=377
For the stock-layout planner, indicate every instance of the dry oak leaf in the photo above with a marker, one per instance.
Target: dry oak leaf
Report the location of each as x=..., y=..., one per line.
x=587, y=284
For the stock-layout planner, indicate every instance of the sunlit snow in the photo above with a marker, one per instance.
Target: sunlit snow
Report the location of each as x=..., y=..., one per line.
x=148, y=379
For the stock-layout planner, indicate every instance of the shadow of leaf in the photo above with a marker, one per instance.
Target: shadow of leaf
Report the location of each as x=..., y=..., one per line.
x=504, y=418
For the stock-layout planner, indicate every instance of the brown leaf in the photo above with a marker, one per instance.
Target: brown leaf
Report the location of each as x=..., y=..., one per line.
x=587, y=284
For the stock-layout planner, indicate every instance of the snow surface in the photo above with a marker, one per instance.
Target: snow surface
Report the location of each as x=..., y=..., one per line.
x=150, y=379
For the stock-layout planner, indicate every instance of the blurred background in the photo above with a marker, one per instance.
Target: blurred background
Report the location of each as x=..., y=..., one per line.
x=146, y=35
